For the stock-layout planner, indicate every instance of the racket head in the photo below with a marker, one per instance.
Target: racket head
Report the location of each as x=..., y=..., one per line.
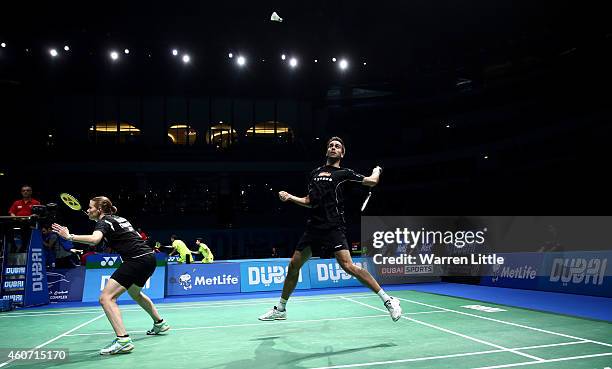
x=70, y=201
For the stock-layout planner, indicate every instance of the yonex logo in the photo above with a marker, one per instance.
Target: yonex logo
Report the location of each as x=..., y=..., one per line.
x=108, y=260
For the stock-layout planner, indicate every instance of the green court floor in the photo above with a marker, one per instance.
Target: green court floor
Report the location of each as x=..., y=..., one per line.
x=328, y=331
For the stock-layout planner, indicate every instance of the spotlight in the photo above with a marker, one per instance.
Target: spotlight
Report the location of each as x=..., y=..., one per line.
x=66, y=48
x=186, y=58
x=3, y=44
x=174, y=52
x=316, y=60
x=343, y=64
x=53, y=52
x=334, y=60
x=114, y=55
x=293, y=62
x=230, y=55
x=241, y=61
x=486, y=156
x=283, y=57
x=364, y=63
x=126, y=51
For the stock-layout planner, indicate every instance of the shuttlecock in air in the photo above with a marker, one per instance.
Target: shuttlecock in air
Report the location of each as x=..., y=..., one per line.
x=275, y=18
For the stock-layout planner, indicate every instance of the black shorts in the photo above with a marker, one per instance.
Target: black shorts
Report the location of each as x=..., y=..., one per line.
x=323, y=243
x=135, y=271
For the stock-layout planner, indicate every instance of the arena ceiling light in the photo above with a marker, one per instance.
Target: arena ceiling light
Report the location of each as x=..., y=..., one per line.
x=126, y=51
x=114, y=55
x=241, y=61
x=174, y=52
x=53, y=52
x=343, y=64
x=186, y=58
x=66, y=48
x=293, y=62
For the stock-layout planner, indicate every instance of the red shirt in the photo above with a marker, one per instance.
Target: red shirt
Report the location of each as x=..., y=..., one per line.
x=21, y=208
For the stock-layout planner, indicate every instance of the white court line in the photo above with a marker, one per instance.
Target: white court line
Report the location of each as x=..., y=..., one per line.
x=213, y=303
x=451, y=332
x=426, y=358
x=263, y=323
x=58, y=337
x=166, y=305
x=545, y=361
x=508, y=323
x=159, y=306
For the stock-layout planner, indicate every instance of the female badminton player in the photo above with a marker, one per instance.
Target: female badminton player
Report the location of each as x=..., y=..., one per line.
x=138, y=264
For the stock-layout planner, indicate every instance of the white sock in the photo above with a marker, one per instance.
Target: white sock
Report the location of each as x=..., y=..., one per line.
x=383, y=295
x=281, y=304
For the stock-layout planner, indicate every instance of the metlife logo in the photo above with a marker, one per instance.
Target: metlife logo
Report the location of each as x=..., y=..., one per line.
x=520, y=272
x=194, y=279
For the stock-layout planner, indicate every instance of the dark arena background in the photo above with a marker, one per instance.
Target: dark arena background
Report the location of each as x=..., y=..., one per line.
x=191, y=117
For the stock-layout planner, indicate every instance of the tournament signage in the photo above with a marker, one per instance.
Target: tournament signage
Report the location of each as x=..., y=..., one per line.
x=520, y=270
x=582, y=272
x=578, y=272
x=13, y=286
x=36, y=292
x=66, y=284
x=326, y=273
x=194, y=279
x=269, y=276
x=100, y=267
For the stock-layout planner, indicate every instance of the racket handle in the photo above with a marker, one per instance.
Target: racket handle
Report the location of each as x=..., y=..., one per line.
x=365, y=203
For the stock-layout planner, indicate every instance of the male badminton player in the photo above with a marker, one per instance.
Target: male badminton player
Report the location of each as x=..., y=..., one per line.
x=325, y=230
x=138, y=264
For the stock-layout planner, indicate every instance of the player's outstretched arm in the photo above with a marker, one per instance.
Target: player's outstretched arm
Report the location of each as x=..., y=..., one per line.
x=373, y=179
x=90, y=239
